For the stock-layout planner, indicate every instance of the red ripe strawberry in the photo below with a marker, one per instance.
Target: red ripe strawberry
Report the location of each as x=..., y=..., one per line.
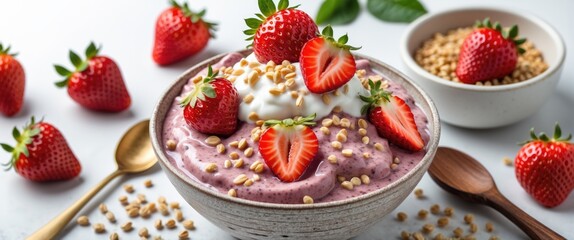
x=392, y=118
x=289, y=146
x=488, y=53
x=327, y=64
x=180, y=33
x=545, y=167
x=279, y=33
x=12, y=80
x=96, y=83
x=42, y=154
x=213, y=106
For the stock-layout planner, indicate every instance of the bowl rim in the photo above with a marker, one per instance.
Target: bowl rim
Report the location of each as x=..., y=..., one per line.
x=157, y=146
x=551, y=31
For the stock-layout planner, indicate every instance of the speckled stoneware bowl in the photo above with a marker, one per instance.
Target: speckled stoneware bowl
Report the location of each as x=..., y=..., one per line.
x=247, y=219
x=473, y=106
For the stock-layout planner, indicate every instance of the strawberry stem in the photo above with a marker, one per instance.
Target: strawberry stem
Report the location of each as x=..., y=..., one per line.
x=79, y=64
x=267, y=8
x=288, y=122
x=377, y=96
x=201, y=89
x=6, y=51
x=509, y=34
x=195, y=17
x=22, y=140
x=327, y=34
x=557, y=136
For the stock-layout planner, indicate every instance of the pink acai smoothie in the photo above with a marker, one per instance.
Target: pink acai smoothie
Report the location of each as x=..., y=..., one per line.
x=321, y=181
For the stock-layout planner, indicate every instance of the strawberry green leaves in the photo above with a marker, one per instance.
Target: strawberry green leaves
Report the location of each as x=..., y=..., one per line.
x=6, y=51
x=509, y=34
x=201, y=89
x=195, y=17
x=327, y=33
x=307, y=121
x=22, y=140
x=267, y=8
x=79, y=64
x=377, y=96
x=338, y=12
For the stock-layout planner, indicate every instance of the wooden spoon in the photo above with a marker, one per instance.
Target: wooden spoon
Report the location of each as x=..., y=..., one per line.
x=460, y=174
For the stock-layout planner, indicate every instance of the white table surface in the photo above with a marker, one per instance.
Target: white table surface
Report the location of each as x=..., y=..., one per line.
x=43, y=31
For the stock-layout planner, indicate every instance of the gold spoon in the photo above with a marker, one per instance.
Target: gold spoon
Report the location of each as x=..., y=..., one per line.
x=460, y=174
x=134, y=154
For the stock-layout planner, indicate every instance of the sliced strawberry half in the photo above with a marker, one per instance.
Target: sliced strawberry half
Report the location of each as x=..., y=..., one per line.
x=392, y=118
x=288, y=147
x=327, y=64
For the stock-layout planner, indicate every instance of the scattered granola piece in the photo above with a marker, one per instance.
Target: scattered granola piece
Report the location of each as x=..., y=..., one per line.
x=99, y=228
x=419, y=193
x=188, y=224
x=148, y=183
x=129, y=188
x=449, y=211
x=489, y=227
x=170, y=224
x=402, y=216
x=114, y=236
x=442, y=222
x=468, y=218
x=183, y=235
x=435, y=209
x=127, y=226
x=83, y=220
x=143, y=232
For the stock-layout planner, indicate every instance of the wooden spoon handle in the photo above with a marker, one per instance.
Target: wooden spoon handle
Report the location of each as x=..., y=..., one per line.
x=532, y=227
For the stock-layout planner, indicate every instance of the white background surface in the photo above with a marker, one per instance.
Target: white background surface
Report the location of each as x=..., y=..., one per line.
x=43, y=32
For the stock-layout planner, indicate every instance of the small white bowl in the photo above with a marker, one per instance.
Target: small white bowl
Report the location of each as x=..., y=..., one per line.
x=475, y=106
x=246, y=219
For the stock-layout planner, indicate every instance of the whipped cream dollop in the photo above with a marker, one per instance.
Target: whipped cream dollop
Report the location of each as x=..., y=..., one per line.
x=279, y=99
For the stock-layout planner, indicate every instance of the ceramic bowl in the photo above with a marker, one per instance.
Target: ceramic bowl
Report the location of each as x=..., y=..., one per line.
x=474, y=106
x=247, y=219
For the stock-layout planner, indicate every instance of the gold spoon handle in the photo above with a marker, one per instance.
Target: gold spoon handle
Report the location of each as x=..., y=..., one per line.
x=532, y=227
x=52, y=228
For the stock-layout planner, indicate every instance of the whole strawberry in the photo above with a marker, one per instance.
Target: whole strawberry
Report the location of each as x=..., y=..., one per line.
x=327, y=64
x=545, y=167
x=42, y=154
x=12, y=80
x=96, y=83
x=213, y=106
x=180, y=33
x=392, y=118
x=489, y=52
x=279, y=33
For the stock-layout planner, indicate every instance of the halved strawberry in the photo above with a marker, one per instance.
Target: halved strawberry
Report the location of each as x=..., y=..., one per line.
x=327, y=64
x=392, y=118
x=289, y=146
